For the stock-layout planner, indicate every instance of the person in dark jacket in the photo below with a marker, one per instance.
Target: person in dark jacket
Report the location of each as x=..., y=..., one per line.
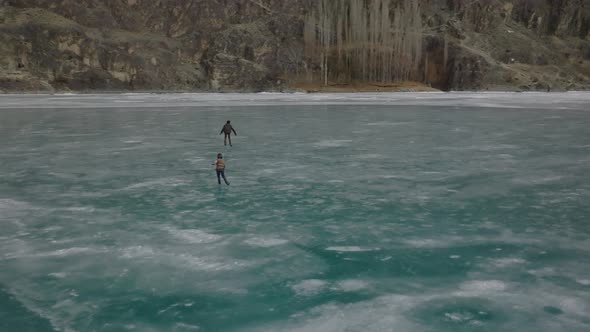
x=227, y=129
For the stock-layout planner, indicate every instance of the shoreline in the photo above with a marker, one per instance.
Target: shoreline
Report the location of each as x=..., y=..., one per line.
x=327, y=91
x=513, y=100
x=296, y=88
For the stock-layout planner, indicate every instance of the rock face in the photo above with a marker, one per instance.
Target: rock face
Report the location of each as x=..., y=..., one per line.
x=255, y=45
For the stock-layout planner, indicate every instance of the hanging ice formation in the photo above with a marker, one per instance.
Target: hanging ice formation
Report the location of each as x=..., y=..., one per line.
x=364, y=40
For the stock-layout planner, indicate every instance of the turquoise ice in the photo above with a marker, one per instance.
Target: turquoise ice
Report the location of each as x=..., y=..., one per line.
x=346, y=212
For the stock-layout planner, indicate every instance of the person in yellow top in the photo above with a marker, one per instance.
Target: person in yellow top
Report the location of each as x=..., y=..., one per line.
x=220, y=168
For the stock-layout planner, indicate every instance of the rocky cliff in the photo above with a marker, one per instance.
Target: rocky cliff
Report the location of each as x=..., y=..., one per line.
x=255, y=45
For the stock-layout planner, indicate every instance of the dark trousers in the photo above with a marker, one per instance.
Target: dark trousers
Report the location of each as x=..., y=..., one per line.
x=227, y=137
x=221, y=174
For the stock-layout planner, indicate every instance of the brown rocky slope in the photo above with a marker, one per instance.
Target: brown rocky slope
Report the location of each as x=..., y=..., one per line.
x=256, y=45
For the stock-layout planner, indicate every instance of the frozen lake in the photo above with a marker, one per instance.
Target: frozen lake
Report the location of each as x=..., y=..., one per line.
x=346, y=212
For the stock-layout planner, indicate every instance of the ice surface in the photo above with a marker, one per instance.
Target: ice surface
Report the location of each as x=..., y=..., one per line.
x=346, y=212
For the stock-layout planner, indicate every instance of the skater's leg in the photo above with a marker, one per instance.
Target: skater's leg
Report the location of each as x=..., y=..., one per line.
x=218, y=178
x=224, y=179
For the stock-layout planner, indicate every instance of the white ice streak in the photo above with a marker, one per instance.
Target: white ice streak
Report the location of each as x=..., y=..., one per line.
x=196, y=236
x=59, y=315
x=309, y=287
x=431, y=243
x=265, y=242
x=445, y=241
x=481, y=287
x=155, y=256
x=458, y=316
x=65, y=252
x=165, y=182
x=186, y=327
x=350, y=249
x=507, y=262
x=386, y=313
x=351, y=285
x=333, y=143
x=531, y=179
x=368, y=156
x=58, y=275
x=10, y=207
x=387, y=124
x=80, y=209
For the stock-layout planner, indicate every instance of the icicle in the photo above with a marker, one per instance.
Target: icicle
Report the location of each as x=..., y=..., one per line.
x=363, y=40
x=445, y=52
